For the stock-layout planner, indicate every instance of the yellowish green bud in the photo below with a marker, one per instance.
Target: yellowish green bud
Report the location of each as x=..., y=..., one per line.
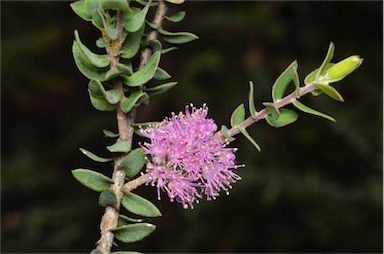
x=343, y=68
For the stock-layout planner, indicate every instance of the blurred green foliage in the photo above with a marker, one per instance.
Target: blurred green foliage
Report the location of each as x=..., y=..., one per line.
x=315, y=187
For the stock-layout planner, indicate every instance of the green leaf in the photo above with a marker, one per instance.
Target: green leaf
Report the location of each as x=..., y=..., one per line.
x=309, y=110
x=286, y=117
x=178, y=37
x=111, y=31
x=224, y=130
x=96, y=251
x=160, y=88
x=296, y=81
x=131, y=44
x=246, y=134
x=79, y=8
x=94, y=156
x=85, y=66
x=238, y=115
x=108, y=198
x=120, y=147
x=282, y=82
x=92, y=6
x=144, y=3
x=126, y=252
x=100, y=43
x=134, y=20
x=139, y=205
x=112, y=96
x=323, y=67
x=145, y=74
x=133, y=100
x=97, y=95
x=118, y=5
x=92, y=179
x=175, y=1
x=124, y=220
x=161, y=74
x=251, y=100
x=274, y=112
x=311, y=77
x=133, y=162
x=330, y=91
x=164, y=51
x=134, y=232
x=110, y=134
x=95, y=59
x=177, y=17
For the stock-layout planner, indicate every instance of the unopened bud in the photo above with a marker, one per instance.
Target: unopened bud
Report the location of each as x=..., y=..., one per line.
x=343, y=68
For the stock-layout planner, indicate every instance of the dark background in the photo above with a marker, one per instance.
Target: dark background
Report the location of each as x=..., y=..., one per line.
x=315, y=187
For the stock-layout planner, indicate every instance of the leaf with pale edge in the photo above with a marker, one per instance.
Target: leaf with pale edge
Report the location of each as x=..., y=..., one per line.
x=139, y=205
x=309, y=110
x=108, y=198
x=92, y=179
x=324, y=66
x=330, y=91
x=251, y=100
x=282, y=82
x=160, y=88
x=133, y=162
x=246, y=134
x=133, y=232
x=94, y=157
x=238, y=115
x=120, y=147
x=144, y=74
x=286, y=117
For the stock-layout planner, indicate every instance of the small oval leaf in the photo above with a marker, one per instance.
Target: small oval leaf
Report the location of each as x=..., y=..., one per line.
x=79, y=8
x=92, y=179
x=133, y=232
x=327, y=60
x=97, y=95
x=124, y=220
x=139, y=205
x=161, y=74
x=131, y=44
x=309, y=110
x=99, y=61
x=94, y=157
x=110, y=134
x=246, y=134
x=118, y=5
x=145, y=74
x=177, y=17
x=330, y=91
x=177, y=37
x=238, y=115
x=286, y=117
x=133, y=100
x=120, y=147
x=160, y=88
x=88, y=69
x=282, y=82
x=108, y=198
x=135, y=19
x=251, y=100
x=133, y=162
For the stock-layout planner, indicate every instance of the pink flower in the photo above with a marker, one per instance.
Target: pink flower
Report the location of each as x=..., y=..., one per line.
x=186, y=160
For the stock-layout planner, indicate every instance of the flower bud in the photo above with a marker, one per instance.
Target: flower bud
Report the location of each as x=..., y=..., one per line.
x=343, y=68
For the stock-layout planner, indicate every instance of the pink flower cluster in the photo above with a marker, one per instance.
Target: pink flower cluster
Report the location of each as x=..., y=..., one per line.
x=186, y=160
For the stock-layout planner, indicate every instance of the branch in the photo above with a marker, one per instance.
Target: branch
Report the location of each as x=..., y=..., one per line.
x=278, y=104
x=157, y=20
x=124, y=122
